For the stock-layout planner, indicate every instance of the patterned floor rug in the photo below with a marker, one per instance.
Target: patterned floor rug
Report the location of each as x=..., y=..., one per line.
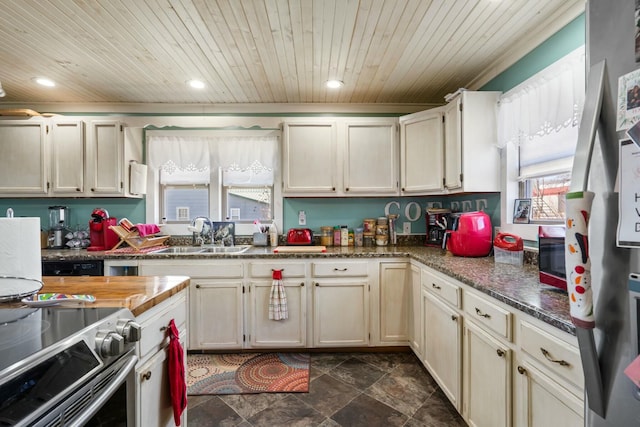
x=247, y=373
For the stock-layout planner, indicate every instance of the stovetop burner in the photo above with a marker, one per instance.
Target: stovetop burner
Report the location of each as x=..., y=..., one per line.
x=26, y=331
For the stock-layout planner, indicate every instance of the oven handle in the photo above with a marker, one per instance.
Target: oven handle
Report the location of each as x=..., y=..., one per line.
x=106, y=394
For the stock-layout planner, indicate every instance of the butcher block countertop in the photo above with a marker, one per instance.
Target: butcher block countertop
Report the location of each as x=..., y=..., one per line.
x=137, y=293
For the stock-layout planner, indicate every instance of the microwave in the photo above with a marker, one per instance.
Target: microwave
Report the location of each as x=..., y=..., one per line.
x=551, y=256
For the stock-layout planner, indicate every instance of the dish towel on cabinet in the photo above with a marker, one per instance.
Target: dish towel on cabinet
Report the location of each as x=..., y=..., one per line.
x=177, y=377
x=278, y=298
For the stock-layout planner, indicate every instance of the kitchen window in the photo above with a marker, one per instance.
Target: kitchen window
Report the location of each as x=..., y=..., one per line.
x=538, y=131
x=225, y=178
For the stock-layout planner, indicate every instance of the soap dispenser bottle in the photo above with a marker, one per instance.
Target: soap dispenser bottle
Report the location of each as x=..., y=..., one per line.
x=273, y=234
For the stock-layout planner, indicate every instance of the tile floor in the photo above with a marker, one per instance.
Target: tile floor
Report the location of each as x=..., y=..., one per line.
x=346, y=389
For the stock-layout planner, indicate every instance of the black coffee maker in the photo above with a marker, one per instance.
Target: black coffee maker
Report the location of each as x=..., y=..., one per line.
x=437, y=220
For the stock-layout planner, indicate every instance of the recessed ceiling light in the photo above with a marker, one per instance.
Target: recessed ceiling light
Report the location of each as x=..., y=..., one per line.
x=196, y=84
x=44, y=81
x=334, y=84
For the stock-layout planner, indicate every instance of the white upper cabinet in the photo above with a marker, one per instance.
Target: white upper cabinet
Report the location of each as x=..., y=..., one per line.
x=68, y=158
x=60, y=158
x=340, y=157
x=23, y=166
x=421, y=152
x=472, y=159
x=451, y=149
x=371, y=157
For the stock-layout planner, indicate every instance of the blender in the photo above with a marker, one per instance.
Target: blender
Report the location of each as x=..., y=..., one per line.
x=58, y=218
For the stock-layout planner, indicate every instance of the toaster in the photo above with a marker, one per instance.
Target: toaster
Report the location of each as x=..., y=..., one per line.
x=299, y=236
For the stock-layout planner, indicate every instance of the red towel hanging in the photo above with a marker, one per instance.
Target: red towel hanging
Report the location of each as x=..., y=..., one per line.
x=177, y=377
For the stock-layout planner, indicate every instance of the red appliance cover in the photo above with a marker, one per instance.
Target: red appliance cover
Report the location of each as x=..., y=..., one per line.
x=470, y=235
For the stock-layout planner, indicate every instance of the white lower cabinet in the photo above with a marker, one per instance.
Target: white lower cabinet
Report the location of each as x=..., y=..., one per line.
x=416, y=323
x=442, y=354
x=340, y=304
x=152, y=392
x=487, y=379
x=216, y=314
x=394, y=303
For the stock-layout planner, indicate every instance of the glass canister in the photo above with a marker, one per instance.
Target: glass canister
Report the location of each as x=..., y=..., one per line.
x=326, y=236
x=359, y=237
x=336, y=235
x=368, y=239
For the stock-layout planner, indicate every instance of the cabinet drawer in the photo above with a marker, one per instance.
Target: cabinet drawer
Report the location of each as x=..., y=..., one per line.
x=339, y=269
x=486, y=313
x=290, y=270
x=437, y=285
x=554, y=354
x=154, y=324
x=228, y=270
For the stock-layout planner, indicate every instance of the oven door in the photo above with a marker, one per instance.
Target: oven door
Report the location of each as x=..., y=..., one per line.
x=106, y=399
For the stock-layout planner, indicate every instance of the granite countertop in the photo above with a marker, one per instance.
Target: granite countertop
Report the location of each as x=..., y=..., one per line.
x=515, y=286
x=138, y=294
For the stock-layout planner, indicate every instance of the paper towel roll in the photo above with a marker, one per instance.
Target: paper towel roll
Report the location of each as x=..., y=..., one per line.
x=20, y=248
x=138, y=179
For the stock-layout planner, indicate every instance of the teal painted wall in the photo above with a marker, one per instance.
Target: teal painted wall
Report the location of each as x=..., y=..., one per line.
x=569, y=38
x=351, y=211
x=79, y=209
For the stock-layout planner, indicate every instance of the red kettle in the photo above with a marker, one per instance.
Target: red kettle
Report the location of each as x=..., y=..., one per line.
x=469, y=234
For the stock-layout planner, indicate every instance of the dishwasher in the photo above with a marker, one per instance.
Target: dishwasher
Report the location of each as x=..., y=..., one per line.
x=73, y=268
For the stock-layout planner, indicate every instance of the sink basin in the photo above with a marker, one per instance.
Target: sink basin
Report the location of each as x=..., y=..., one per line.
x=225, y=249
x=179, y=250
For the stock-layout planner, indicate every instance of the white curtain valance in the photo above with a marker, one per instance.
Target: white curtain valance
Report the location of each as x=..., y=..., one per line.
x=549, y=101
x=246, y=160
x=173, y=154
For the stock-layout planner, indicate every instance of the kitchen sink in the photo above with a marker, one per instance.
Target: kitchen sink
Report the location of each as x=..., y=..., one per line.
x=179, y=250
x=225, y=249
x=203, y=250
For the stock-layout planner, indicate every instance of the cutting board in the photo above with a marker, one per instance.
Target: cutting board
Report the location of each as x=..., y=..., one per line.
x=300, y=249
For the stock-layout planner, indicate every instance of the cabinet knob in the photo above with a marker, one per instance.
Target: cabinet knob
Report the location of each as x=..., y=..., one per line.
x=346, y=189
x=547, y=356
x=317, y=284
x=93, y=189
x=301, y=283
x=77, y=189
x=454, y=317
x=146, y=375
x=521, y=370
x=402, y=188
x=197, y=286
x=500, y=352
x=333, y=188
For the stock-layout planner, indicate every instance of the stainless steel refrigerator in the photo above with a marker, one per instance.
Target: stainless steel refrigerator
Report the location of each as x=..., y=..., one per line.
x=607, y=344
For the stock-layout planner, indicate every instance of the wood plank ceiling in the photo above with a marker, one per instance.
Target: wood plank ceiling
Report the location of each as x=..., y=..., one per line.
x=260, y=51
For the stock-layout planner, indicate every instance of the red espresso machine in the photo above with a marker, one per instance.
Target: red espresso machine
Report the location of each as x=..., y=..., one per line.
x=101, y=236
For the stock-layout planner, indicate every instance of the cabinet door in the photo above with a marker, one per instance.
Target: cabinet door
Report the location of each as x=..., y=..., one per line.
x=544, y=402
x=443, y=345
x=341, y=313
x=371, y=158
x=215, y=317
x=105, y=152
x=453, y=145
x=23, y=167
x=309, y=158
x=416, y=334
x=395, y=289
x=290, y=332
x=68, y=157
x=487, y=379
x=153, y=399
x=421, y=152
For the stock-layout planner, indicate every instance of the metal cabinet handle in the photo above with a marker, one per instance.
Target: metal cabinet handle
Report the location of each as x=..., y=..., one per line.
x=481, y=314
x=146, y=375
x=434, y=286
x=454, y=317
x=547, y=356
x=340, y=269
x=521, y=370
x=501, y=352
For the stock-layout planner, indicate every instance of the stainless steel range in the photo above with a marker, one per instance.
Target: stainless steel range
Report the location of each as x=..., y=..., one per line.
x=61, y=366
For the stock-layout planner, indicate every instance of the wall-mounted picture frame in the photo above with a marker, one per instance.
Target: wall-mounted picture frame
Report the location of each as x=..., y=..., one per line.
x=522, y=211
